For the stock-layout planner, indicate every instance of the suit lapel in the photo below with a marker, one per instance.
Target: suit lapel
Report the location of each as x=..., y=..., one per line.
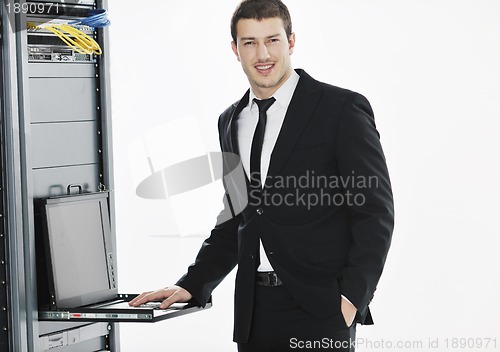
x=300, y=110
x=232, y=127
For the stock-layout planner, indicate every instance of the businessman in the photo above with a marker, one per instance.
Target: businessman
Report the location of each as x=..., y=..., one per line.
x=312, y=239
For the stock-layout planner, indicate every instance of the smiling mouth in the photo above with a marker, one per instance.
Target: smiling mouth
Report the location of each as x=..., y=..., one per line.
x=264, y=68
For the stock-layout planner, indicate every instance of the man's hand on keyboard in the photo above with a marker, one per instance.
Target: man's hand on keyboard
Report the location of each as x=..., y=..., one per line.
x=169, y=296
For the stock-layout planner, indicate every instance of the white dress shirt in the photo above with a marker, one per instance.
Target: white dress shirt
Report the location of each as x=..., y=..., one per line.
x=247, y=122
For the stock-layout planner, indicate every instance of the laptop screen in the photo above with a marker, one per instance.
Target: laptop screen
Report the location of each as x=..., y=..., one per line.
x=81, y=269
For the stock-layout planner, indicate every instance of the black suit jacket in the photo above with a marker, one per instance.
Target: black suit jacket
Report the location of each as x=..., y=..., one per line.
x=326, y=212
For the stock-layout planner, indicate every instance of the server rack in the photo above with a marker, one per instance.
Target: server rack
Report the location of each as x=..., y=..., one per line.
x=14, y=328
x=5, y=322
x=55, y=131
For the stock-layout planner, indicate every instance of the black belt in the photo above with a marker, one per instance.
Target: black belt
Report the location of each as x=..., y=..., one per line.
x=267, y=278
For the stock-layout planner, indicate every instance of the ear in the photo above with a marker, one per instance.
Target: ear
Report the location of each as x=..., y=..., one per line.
x=235, y=50
x=291, y=43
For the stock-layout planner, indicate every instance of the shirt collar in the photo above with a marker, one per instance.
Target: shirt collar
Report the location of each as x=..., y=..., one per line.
x=283, y=95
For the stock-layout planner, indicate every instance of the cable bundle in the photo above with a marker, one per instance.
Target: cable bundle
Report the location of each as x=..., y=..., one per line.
x=75, y=38
x=98, y=18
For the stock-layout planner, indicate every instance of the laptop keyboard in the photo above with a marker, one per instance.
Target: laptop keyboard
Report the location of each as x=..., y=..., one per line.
x=152, y=305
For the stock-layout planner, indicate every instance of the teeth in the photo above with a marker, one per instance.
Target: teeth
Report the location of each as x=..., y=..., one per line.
x=264, y=67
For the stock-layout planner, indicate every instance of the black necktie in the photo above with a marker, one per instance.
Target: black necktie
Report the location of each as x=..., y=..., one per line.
x=258, y=139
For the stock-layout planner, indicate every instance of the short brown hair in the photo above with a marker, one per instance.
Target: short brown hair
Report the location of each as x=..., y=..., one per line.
x=259, y=10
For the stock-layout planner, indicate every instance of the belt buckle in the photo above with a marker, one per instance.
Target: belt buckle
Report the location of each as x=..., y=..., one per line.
x=272, y=279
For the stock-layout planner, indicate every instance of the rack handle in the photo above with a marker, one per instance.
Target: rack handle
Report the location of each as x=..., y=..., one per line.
x=80, y=189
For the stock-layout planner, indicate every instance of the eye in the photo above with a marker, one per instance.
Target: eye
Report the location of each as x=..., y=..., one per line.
x=274, y=40
x=248, y=43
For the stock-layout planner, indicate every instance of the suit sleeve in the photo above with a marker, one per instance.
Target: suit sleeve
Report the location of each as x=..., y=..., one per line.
x=218, y=254
x=371, y=210
x=216, y=258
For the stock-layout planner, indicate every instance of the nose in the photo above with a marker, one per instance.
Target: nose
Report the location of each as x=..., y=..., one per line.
x=262, y=53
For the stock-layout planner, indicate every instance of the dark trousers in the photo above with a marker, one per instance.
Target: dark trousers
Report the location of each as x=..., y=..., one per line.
x=279, y=324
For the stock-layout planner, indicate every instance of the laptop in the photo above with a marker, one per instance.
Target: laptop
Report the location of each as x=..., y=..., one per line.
x=76, y=271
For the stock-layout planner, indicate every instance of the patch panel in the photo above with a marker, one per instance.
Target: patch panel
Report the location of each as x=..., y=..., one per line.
x=57, y=54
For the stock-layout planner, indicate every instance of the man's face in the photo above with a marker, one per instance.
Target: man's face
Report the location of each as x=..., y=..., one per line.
x=264, y=52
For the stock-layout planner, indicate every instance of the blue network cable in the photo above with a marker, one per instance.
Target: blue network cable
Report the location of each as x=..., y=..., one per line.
x=98, y=18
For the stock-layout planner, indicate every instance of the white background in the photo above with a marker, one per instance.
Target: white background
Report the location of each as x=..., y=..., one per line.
x=431, y=70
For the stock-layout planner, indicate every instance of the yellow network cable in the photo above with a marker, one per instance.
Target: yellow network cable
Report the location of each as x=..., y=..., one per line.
x=74, y=38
